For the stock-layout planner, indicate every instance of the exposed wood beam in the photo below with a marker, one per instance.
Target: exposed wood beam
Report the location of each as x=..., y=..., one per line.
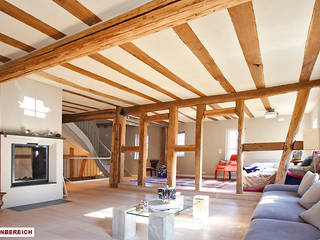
x=88, y=97
x=240, y=111
x=68, y=111
x=123, y=128
x=15, y=43
x=187, y=116
x=296, y=118
x=79, y=11
x=76, y=86
x=244, y=23
x=130, y=149
x=229, y=97
x=312, y=47
x=190, y=39
x=109, y=63
x=149, y=18
x=172, y=140
x=220, y=112
x=270, y=146
x=143, y=133
x=4, y=59
x=30, y=20
x=80, y=105
x=185, y=148
x=104, y=114
x=107, y=81
x=75, y=108
x=199, y=146
x=156, y=118
x=145, y=58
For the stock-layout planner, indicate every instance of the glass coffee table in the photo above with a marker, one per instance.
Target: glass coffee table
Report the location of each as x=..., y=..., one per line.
x=160, y=215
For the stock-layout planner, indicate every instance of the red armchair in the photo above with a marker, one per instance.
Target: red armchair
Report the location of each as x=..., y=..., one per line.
x=230, y=167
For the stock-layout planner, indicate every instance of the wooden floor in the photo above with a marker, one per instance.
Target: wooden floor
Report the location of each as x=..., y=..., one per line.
x=89, y=216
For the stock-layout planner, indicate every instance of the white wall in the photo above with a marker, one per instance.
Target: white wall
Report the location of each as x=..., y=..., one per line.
x=256, y=130
x=13, y=119
x=12, y=116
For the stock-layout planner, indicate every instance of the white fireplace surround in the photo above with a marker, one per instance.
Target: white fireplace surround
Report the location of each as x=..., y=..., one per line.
x=22, y=195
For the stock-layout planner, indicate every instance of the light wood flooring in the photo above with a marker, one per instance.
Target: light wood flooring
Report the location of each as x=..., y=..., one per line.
x=89, y=216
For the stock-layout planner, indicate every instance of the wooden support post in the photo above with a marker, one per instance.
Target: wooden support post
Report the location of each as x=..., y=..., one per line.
x=296, y=118
x=71, y=155
x=240, y=113
x=114, y=178
x=199, y=145
x=83, y=166
x=123, y=127
x=172, y=140
x=143, y=132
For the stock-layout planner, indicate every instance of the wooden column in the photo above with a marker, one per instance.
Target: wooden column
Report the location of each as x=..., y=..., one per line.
x=143, y=133
x=199, y=145
x=115, y=151
x=172, y=140
x=123, y=128
x=240, y=113
x=71, y=167
x=296, y=118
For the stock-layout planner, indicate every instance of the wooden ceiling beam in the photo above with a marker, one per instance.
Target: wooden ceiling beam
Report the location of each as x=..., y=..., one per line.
x=15, y=43
x=107, y=81
x=229, y=97
x=80, y=105
x=156, y=118
x=88, y=97
x=109, y=63
x=75, y=108
x=68, y=111
x=4, y=59
x=76, y=86
x=220, y=112
x=103, y=114
x=149, y=18
x=30, y=20
x=79, y=11
x=312, y=46
x=244, y=23
x=270, y=146
x=190, y=39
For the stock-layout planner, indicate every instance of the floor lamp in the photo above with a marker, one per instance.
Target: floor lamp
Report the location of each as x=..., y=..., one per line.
x=311, y=141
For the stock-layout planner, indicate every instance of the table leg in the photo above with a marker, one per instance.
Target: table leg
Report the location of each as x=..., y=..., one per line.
x=200, y=206
x=123, y=224
x=161, y=226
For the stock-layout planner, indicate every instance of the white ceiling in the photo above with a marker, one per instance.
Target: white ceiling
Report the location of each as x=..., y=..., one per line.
x=282, y=28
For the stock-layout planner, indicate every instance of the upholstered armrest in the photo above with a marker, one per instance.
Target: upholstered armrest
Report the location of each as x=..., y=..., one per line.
x=281, y=187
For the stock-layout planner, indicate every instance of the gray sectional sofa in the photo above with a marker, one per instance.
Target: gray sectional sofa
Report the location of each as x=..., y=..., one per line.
x=277, y=216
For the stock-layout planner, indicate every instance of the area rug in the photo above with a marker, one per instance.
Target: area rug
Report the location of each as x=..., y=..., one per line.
x=185, y=182
x=38, y=205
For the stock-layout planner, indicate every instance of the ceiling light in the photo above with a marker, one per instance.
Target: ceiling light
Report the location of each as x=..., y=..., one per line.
x=271, y=113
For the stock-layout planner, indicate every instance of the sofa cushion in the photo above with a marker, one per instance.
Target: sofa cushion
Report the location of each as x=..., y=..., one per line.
x=308, y=179
x=311, y=197
x=281, y=187
x=279, y=205
x=312, y=215
x=266, y=229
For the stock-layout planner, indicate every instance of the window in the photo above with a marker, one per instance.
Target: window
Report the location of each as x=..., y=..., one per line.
x=136, y=143
x=181, y=140
x=231, y=143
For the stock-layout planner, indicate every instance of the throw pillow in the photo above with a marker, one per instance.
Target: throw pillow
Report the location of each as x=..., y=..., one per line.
x=311, y=196
x=312, y=215
x=307, y=162
x=308, y=179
